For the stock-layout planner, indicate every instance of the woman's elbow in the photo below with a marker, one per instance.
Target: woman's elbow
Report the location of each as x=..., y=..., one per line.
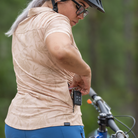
x=61, y=53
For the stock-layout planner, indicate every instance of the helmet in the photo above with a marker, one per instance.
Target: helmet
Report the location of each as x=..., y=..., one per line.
x=92, y=3
x=96, y=3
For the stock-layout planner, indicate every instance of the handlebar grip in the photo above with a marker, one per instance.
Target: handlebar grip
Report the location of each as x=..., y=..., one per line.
x=92, y=93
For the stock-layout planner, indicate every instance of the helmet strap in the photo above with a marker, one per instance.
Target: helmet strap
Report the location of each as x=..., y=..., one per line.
x=55, y=8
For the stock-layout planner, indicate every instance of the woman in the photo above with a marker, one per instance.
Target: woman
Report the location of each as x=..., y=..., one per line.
x=47, y=63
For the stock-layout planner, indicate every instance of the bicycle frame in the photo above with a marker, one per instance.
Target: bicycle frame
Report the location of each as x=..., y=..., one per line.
x=100, y=135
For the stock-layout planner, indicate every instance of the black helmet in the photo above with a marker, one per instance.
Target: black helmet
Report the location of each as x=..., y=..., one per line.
x=92, y=3
x=95, y=3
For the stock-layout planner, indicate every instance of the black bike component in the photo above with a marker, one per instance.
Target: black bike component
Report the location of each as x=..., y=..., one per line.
x=102, y=121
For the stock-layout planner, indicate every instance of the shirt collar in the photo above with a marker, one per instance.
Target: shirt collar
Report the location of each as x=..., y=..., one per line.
x=38, y=10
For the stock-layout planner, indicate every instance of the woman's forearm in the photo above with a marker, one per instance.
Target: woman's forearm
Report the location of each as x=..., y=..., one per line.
x=69, y=59
x=65, y=55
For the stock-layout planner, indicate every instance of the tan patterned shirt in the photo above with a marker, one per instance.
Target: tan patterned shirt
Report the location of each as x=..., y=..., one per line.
x=43, y=98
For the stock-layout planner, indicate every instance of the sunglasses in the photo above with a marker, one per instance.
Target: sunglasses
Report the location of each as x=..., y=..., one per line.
x=80, y=9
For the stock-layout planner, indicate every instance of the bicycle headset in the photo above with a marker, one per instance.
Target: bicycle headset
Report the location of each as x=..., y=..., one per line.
x=91, y=3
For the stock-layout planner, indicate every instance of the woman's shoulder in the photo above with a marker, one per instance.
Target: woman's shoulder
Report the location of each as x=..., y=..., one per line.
x=43, y=18
x=54, y=16
x=46, y=13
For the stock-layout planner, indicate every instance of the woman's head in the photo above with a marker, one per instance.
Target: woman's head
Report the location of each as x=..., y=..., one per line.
x=75, y=10
x=92, y=3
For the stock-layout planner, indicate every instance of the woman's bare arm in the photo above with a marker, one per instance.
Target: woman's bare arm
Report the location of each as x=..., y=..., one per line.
x=68, y=57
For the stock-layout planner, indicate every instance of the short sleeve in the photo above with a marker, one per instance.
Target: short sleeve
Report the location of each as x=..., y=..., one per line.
x=58, y=23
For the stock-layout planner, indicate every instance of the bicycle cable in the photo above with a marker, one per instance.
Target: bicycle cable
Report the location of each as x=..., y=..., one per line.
x=130, y=129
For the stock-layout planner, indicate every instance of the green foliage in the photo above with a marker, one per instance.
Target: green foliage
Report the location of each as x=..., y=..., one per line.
x=110, y=53
x=108, y=43
x=8, y=12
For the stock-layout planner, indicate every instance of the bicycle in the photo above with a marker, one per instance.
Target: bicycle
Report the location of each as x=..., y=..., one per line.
x=106, y=119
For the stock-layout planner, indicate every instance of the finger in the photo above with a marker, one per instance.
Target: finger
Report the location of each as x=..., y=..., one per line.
x=84, y=92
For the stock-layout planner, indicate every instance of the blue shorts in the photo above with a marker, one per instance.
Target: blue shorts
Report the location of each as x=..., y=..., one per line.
x=48, y=132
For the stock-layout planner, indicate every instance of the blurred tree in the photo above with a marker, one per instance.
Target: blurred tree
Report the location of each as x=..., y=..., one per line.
x=131, y=53
x=8, y=12
x=135, y=80
x=111, y=56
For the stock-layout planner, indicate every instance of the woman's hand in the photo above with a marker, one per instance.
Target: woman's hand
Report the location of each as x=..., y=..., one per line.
x=82, y=82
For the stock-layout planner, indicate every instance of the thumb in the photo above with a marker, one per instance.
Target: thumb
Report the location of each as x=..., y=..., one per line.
x=73, y=84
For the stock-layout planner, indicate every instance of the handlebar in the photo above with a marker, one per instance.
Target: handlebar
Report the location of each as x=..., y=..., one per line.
x=92, y=93
x=103, y=109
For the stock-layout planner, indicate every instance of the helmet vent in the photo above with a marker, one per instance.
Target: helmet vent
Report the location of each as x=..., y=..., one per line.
x=98, y=1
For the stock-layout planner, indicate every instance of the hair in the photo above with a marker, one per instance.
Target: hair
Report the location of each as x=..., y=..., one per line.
x=23, y=15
